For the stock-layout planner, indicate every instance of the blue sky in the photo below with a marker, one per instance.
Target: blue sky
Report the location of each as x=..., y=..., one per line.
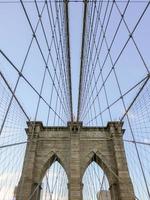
x=15, y=36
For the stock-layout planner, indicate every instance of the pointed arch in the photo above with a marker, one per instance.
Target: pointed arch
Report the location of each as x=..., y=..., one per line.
x=49, y=160
x=55, y=181
x=95, y=183
x=104, y=164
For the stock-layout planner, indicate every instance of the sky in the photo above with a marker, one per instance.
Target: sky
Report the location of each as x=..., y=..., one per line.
x=15, y=36
x=76, y=16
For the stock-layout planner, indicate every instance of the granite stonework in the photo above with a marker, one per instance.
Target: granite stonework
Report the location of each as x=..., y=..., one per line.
x=75, y=147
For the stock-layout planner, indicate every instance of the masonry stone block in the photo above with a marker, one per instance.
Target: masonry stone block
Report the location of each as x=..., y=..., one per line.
x=75, y=147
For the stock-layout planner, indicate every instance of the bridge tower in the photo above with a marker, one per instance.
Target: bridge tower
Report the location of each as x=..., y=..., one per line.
x=75, y=147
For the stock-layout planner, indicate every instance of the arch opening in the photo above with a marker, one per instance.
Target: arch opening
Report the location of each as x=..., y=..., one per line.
x=95, y=183
x=54, y=185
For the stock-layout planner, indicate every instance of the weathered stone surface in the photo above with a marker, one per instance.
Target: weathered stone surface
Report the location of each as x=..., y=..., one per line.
x=75, y=147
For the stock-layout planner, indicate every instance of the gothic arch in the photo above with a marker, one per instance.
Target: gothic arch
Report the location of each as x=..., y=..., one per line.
x=49, y=159
x=94, y=179
x=75, y=151
x=55, y=175
x=92, y=156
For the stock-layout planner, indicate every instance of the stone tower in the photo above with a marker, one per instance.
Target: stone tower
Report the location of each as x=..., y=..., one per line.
x=75, y=147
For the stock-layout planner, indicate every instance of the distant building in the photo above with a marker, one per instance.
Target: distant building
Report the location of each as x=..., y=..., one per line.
x=103, y=195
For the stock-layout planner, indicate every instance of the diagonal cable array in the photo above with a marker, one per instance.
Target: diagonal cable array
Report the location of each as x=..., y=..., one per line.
x=114, y=78
x=111, y=87
x=136, y=140
x=100, y=58
x=35, y=85
x=54, y=56
x=11, y=156
x=41, y=75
